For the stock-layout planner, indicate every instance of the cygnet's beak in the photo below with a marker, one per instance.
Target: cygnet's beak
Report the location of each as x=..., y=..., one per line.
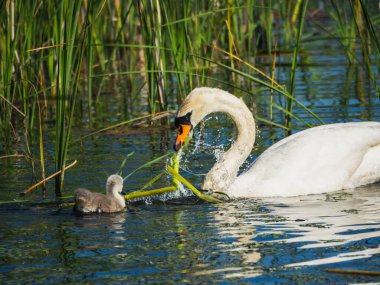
x=183, y=131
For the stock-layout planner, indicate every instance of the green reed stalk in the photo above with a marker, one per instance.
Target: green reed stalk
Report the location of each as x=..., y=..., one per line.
x=21, y=71
x=366, y=33
x=69, y=59
x=7, y=61
x=289, y=105
x=286, y=11
x=267, y=22
x=231, y=42
x=98, y=21
x=278, y=88
x=370, y=27
x=160, y=57
x=346, y=29
x=149, y=163
x=196, y=192
x=177, y=36
x=151, y=20
x=109, y=59
x=90, y=58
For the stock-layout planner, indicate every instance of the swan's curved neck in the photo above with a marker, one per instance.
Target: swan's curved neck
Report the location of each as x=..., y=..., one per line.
x=224, y=172
x=114, y=191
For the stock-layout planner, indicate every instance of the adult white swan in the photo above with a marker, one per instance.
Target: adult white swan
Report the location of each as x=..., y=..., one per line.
x=317, y=160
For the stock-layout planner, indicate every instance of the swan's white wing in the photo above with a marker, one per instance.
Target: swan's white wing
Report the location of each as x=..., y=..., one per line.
x=317, y=160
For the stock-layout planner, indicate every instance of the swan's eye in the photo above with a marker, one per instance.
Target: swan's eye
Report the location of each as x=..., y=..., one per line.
x=183, y=120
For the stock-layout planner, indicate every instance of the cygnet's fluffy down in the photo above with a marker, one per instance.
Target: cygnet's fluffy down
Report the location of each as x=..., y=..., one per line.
x=92, y=202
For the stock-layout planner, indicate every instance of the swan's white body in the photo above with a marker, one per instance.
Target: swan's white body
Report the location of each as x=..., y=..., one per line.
x=317, y=160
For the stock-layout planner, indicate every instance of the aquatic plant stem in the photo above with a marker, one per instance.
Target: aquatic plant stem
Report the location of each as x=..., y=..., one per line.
x=280, y=90
x=358, y=8
x=146, y=165
x=69, y=61
x=231, y=44
x=152, y=181
x=47, y=178
x=146, y=193
x=41, y=143
x=289, y=105
x=176, y=159
x=191, y=187
x=272, y=81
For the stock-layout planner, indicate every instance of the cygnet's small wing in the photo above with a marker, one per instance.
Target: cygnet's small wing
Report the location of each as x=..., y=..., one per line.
x=82, y=194
x=87, y=201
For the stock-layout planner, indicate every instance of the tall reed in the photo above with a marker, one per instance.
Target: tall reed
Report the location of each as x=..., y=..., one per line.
x=301, y=16
x=7, y=61
x=69, y=53
x=158, y=51
x=368, y=38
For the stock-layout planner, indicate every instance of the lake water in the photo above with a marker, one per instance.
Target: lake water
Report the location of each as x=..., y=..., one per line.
x=184, y=241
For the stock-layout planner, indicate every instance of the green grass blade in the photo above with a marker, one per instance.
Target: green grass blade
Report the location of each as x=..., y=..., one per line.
x=149, y=163
x=289, y=105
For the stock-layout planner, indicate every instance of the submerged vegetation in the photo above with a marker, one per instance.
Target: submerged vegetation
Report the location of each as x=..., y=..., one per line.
x=58, y=58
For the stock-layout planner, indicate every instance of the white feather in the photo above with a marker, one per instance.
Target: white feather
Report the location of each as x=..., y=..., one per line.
x=318, y=160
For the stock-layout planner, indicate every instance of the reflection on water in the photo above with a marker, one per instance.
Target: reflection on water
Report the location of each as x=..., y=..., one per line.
x=288, y=240
x=283, y=240
x=338, y=227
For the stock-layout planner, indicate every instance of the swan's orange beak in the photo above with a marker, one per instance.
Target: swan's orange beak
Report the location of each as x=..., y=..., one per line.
x=183, y=132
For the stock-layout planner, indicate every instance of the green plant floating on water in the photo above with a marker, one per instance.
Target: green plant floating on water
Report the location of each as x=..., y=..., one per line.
x=185, y=182
x=174, y=172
